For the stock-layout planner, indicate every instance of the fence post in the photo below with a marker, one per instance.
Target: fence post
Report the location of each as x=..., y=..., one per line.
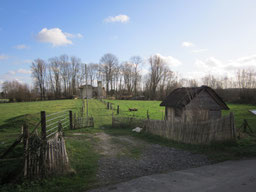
x=107, y=105
x=92, y=122
x=43, y=125
x=147, y=115
x=26, y=154
x=59, y=127
x=117, y=111
x=70, y=120
x=232, y=125
x=43, y=146
x=113, y=120
x=75, y=121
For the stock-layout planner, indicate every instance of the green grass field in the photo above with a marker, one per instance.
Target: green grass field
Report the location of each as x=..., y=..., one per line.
x=83, y=157
x=240, y=111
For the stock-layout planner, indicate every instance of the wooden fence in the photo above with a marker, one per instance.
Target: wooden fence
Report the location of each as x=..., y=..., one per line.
x=45, y=154
x=44, y=149
x=204, y=132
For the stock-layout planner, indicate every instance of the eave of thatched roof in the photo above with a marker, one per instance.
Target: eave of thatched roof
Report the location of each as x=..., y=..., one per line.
x=180, y=97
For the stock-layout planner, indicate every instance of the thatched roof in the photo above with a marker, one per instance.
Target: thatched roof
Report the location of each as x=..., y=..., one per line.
x=180, y=97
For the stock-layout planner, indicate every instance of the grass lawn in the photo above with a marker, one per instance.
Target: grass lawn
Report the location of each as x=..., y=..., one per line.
x=153, y=108
x=83, y=158
x=241, y=111
x=82, y=155
x=245, y=147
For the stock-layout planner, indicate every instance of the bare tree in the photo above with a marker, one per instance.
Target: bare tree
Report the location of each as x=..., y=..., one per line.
x=16, y=91
x=55, y=74
x=38, y=69
x=64, y=69
x=92, y=72
x=211, y=81
x=136, y=61
x=127, y=71
x=166, y=79
x=75, y=64
x=157, y=67
x=108, y=63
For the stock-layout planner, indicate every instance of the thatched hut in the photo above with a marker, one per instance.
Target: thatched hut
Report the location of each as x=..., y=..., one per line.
x=193, y=104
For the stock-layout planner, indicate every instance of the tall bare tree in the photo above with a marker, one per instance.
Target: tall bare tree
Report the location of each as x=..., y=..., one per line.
x=92, y=72
x=64, y=67
x=38, y=69
x=75, y=64
x=136, y=61
x=127, y=71
x=108, y=64
x=55, y=74
x=157, y=67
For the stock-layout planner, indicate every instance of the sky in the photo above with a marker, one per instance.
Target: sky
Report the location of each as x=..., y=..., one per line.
x=194, y=37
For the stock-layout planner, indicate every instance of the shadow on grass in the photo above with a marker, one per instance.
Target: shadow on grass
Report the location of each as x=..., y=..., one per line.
x=11, y=166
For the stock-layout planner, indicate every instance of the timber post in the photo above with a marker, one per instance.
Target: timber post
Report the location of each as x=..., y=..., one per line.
x=117, y=111
x=26, y=154
x=70, y=120
x=113, y=119
x=43, y=146
x=107, y=105
x=147, y=115
x=43, y=125
x=232, y=124
x=75, y=121
x=59, y=127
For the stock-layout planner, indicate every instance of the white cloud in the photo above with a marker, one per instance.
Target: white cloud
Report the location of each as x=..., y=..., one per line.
x=19, y=71
x=55, y=36
x=24, y=71
x=20, y=75
x=21, y=46
x=78, y=35
x=216, y=67
x=251, y=58
x=11, y=73
x=199, y=50
x=27, y=61
x=2, y=57
x=187, y=44
x=169, y=60
x=118, y=18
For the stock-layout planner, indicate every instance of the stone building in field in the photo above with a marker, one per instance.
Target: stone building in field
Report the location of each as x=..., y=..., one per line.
x=88, y=91
x=193, y=104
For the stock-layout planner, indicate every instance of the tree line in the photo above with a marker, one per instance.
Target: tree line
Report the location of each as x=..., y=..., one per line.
x=60, y=77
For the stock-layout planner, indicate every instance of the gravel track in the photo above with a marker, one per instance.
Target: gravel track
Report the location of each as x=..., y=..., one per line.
x=115, y=166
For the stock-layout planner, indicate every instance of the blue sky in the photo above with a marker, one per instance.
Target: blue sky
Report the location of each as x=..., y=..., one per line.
x=195, y=37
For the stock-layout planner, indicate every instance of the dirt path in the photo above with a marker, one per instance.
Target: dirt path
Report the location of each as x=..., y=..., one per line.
x=125, y=157
x=235, y=176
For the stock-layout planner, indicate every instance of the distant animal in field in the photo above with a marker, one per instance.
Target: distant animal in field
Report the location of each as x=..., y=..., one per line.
x=133, y=109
